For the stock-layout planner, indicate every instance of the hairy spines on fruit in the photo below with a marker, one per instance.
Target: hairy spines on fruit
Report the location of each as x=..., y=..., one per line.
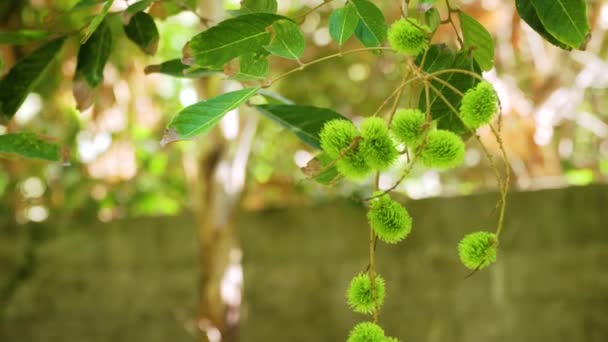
x=353, y=165
x=408, y=126
x=376, y=145
x=366, y=332
x=408, y=36
x=390, y=221
x=478, y=250
x=336, y=136
x=443, y=150
x=360, y=296
x=479, y=105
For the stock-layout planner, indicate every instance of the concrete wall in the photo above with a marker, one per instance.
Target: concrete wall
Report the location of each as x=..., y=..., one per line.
x=135, y=280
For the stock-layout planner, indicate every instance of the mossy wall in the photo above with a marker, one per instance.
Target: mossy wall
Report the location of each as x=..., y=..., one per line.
x=135, y=280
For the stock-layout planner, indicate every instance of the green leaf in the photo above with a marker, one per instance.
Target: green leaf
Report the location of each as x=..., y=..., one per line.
x=317, y=169
x=256, y=6
x=343, y=22
x=253, y=66
x=24, y=75
x=139, y=6
x=75, y=19
x=274, y=98
x=287, y=40
x=566, y=20
x=176, y=68
x=441, y=58
x=22, y=36
x=304, y=121
x=29, y=145
x=230, y=39
x=438, y=57
x=142, y=30
x=94, y=54
x=328, y=174
x=433, y=19
x=92, y=59
x=371, y=30
x=528, y=13
x=479, y=40
x=94, y=24
x=202, y=116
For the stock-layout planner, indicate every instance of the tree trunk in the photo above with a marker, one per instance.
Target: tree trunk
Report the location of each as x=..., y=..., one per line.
x=221, y=172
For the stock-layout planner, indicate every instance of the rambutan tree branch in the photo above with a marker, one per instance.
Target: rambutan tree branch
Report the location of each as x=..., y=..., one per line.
x=322, y=59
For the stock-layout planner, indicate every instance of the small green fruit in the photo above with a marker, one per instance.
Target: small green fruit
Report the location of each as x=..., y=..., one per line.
x=336, y=136
x=390, y=221
x=359, y=295
x=377, y=146
x=391, y=339
x=479, y=104
x=443, y=150
x=353, y=165
x=408, y=36
x=366, y=332
x=478, y=250
x=408, y=126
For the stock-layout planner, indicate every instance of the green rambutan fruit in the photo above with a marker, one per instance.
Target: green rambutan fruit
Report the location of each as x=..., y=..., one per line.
x=479, y=104
x=390, y=221
x=478, y=250
x=359, y=295
x=408, y=36
x=366, y=332
x=337, y=135
x=443, y=150
x=376, y=145
x=391, y=339
x=408, y=126
x=353, y=165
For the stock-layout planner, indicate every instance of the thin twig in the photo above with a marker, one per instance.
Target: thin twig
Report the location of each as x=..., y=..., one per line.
x=335, y=55
x=395, y=92
x=445, y=100
x=419, y=149
x=503, y=185
x=372, y=259
x=303, y=16
x=461, y=71
x=451, y=21
x=397, y=100
x=504, y=191
x=447, y=84
x=483, y=147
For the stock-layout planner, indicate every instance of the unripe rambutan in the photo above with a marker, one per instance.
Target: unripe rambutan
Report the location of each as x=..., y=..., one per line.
x=408, y=36
x=478, y=250
x=337, y=135
x=443, y=150
x=479, y=104
x=359, y=295
x=390, y=221
x=408, y=126
x=353, y=165
x=366, y=332
x=391, y=339
x=377, y=146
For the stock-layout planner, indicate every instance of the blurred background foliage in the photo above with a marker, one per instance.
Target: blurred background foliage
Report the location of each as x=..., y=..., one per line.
x=554, y=105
